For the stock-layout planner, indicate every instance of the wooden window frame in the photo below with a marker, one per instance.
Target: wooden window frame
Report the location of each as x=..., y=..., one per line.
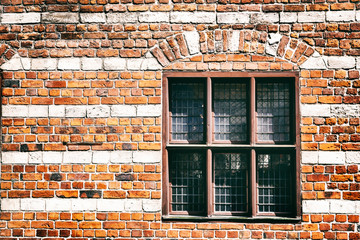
x=251, y=146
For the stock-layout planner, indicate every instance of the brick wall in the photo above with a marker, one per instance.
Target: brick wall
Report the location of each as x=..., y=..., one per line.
x=81, y=110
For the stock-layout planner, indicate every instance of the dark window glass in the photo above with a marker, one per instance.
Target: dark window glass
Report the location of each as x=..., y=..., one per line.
x=274, y=182
x=273, y=111
x=187, y=179
x=231, y=181
x=230, y=110
x=187, y=111
x=230, y=146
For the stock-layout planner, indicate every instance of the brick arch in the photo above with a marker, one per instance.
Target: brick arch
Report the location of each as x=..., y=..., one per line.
x=6, y=53
x=219, y=43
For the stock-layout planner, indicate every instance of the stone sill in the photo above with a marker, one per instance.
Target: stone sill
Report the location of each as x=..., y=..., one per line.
x=244, y=219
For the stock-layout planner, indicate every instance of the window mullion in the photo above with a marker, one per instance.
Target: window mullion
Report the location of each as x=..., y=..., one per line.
x=252, y=111
x=253, y=196
x=209, y=167
x=253, y=190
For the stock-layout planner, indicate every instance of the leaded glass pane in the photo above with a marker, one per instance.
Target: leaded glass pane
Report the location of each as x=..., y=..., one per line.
x=187, y=111
x=230, y=110
x=187, y=179
x=273, y=111
x=231, y=181
x=274, y=182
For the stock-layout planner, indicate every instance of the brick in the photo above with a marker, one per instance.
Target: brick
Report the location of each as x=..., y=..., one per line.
x=83, y=204
x=317, y=63
x=121, y=17
x=352, y=157
x=192, y=40
x=20, y=18
x=148, y=110
x=60, y=17
x=32, y=204
x=69, y=64
x=14, y=158
x=341, y=206
x=147, y=156
x=10, y=204
x=67, y=194
x=288, y=17
x=340, y=16
x=351, y=196
x=114, y=194
x=123, y=111
x=138, y=194
x=341, y=178
x=92, y=17
x=317, y=177
x=308, y=17
x=114, y=64
x=75, y=111
x=152, y=17
x=331, y=157
x=114, y=225
x=195, y=17
x=91, y=64
x=330, y=146
x=43, y=64
x=109, y=205
x=316, y=206
x=90, y=225
x=151, y=205
x=66, y=224
x=259, y=18
x=77, y=157
x=341, y=62
x=160, y=56
x=98, y=111
x=321, y=110
x=133, y=205
x=58, y=204
x=121, y=156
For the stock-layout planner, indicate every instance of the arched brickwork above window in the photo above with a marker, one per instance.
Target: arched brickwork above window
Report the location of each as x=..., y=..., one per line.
x=228, y=46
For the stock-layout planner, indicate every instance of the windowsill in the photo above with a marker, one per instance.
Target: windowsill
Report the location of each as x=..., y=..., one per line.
x=258, y=219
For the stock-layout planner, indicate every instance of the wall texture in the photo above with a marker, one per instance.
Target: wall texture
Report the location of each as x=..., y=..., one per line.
x=81, y=110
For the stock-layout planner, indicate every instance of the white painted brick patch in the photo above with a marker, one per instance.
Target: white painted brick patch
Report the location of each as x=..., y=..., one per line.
x=323, y=157
x=61, y=204
x=76, y=111
x=82, y=157
x=329, y=110
x=18, y=63
x=330, y=206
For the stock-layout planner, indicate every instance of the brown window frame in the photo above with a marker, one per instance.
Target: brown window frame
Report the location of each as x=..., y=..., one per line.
x=251, y=146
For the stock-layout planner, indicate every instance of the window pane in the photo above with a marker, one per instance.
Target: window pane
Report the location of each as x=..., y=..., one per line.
x=274, y=182
x=187, y=109
x=187, y=178
x=231, y=181
x=273, y=111
x=230, y=111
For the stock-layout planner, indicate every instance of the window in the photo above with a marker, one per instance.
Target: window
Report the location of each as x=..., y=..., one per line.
x=231, y=145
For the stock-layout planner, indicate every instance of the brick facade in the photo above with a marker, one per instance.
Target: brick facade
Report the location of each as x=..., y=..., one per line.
x=82, y=106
